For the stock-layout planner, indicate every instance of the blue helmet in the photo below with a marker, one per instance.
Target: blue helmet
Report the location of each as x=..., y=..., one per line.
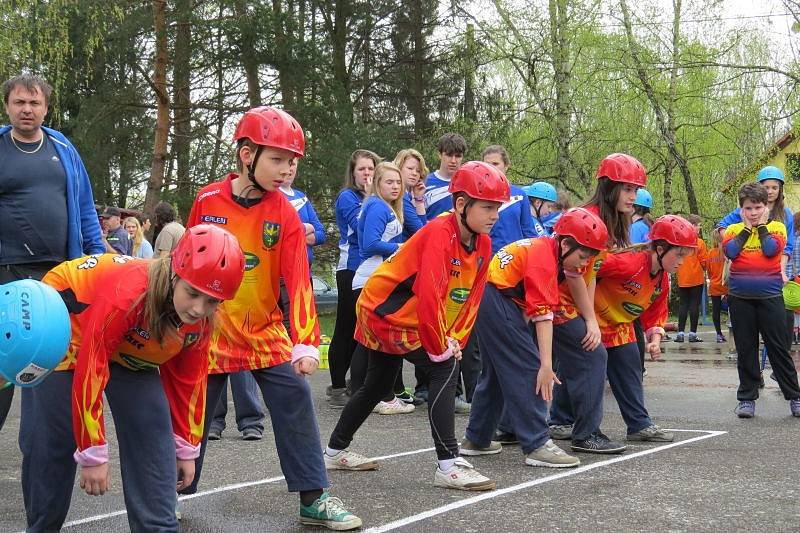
x=644, y=199
x=541, y=190
x=34, y=331
x=770, y=173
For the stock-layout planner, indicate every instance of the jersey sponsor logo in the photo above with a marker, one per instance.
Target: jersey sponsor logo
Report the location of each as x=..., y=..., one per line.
x=270, y=233
x=208, y=193
x=135, y=362
x=214, y=219
x=504, y=257
x=142, y=333
x=250, y=261
x=190, y=339
x=122, y=259
x=456, y=262
x=632, y=308
x=90, y=262
x=597, y=264
x=459, y=295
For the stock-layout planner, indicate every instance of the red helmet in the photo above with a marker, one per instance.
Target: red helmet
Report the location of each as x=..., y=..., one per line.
x=481, y=181
x=209, y=259
x=675, y=230
x=583, y=226
x=268, y=126
x=623, y=168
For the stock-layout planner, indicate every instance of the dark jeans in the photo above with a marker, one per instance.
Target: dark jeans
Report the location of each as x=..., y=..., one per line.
x=294, y=424
x=507, y=383
x=342, y=343
x=579, y=398
x=9, y=273
x=689, y=305
x=246, y=403
x=716, y=311
x=146, y=450
x=381, y=372
x=625, y=377
x=751, y=316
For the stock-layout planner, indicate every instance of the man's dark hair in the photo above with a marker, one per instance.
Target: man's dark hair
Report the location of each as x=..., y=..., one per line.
x=452, y=144
x=754, y=191
x=31, y=82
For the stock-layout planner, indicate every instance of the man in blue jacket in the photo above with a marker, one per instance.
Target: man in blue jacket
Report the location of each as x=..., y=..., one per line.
x=47, y=212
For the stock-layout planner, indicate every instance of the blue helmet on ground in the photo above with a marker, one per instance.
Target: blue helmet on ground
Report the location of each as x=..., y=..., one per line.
x=34, y=331
x=770, y=173
x=541, y=190
x=644, y=199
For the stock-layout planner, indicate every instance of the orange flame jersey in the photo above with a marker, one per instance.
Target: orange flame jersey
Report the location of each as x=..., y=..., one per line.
x=101, y=293
x=428, y=290
x=250, y=333
x=716, y=268
x=566, y=309
x=527, y=272
x=626, y=291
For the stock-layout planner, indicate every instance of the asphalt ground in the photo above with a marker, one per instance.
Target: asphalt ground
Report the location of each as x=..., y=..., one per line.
x=720, y=474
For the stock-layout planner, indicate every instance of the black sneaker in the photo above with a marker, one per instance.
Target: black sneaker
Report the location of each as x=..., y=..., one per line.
x=597, y=443
x=505, y=438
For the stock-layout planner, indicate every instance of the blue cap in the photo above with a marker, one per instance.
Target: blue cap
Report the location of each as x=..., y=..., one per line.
x=644, y=199
x=770, y=173
x=541, y=190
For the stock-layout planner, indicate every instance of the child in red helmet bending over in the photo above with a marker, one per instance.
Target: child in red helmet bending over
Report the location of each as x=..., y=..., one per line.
x=249, y=333
x=140, y=332
x=420, y=305
x=527, y=283
x=631, y=285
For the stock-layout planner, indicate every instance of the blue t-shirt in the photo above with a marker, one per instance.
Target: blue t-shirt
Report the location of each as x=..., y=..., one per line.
x=120, y=240
x=33, y=203
x=515, y=222
x=348, y=207
x=307, y=215
x=640, y=232
x=437, y=195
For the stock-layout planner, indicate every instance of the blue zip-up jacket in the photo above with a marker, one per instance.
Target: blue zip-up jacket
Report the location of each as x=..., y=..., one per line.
x=308, y=215
x=515, y=222
x=379, y=236
x=437, y=195
x=412, y=222
x=83, y=227
x=735, y=217
x=640, y=232
x=348, y=207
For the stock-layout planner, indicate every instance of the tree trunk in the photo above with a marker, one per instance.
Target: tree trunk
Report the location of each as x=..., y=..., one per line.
x=561, y=71
x=156, y=179
x=665, y=124
x=284, y=65
x=469, y=74
x=182, y=103
x=249, y=61
x=417, y=99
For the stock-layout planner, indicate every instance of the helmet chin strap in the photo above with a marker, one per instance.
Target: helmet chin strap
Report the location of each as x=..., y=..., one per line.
x=251, y=171
x=562, y=256
x=660, y=256
x=474, y=234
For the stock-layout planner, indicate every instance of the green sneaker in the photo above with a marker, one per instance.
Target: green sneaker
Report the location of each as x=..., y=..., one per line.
x=329, y=512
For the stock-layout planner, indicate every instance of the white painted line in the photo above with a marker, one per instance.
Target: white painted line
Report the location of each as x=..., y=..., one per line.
x=226, y=488
x=514, y=488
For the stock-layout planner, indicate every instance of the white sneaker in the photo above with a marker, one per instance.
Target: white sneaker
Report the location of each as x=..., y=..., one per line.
x=393, y=407
x=347, y=460
x=551, y=456
x=462, y=476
